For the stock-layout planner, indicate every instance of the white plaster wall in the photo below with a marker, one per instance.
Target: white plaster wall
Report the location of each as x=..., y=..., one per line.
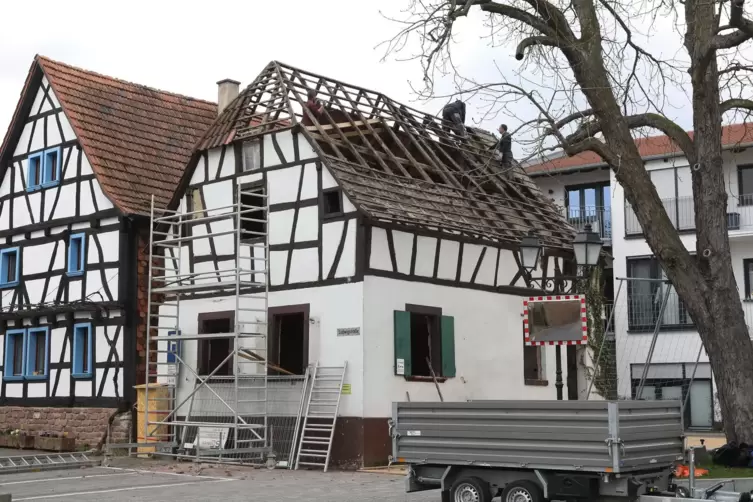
x=331, y=307
x=282, y=186
x=488, y=346
x=500, y=261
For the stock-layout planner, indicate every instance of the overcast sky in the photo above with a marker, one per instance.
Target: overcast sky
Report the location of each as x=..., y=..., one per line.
x=187, y=46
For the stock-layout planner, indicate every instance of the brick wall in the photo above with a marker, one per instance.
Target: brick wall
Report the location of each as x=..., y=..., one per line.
x=87, y=425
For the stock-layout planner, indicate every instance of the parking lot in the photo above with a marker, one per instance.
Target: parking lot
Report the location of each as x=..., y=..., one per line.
x=163, y=484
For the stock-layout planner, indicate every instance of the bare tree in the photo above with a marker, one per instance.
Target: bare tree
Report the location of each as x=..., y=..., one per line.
x=608, y=88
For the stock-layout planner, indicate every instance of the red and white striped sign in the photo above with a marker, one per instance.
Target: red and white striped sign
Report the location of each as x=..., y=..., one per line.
x=579, y=339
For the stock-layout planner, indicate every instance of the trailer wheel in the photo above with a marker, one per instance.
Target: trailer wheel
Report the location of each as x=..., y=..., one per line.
x=470, y=490
x=522, y=491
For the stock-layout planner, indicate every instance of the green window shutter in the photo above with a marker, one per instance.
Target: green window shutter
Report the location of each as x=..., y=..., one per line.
x=448, y=346
x=402, y=344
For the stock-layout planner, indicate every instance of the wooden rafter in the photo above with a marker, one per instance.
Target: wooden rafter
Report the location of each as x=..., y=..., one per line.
x=396, y=163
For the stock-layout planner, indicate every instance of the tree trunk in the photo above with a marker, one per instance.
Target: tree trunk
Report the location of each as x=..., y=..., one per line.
x=718, y=314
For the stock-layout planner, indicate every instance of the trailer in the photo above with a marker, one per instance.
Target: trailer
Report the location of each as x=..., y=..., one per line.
x=535, y=451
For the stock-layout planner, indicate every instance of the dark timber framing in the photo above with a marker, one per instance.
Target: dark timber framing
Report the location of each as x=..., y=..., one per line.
x=51, y=296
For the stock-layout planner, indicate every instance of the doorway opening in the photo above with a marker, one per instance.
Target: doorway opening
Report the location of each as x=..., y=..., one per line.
x=213, y=351
x=289, y=340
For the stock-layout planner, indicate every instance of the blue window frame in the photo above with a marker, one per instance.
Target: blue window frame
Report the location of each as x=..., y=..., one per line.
x=9, y=265
x=37, y=354
x=82, y=350
x=35, y=171
x=51, y=174
x=15, y=355
x=76, y=254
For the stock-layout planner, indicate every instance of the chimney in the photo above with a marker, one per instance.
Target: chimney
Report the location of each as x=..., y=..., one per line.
x=227, y=91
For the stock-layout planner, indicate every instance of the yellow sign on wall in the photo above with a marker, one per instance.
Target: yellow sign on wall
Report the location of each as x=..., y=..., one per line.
x=346, y=389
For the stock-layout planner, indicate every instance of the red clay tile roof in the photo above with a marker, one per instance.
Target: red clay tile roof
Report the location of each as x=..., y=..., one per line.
x=732, y=135
x=138, y=140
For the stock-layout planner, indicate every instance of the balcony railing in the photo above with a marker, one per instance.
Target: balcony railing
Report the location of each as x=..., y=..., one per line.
x=599, y=217
x=681, y=211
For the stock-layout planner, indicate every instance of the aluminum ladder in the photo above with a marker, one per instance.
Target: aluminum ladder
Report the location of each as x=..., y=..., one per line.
x=39, y=462
x=320, y=416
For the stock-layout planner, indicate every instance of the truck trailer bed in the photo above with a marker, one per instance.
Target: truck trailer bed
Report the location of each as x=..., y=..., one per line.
x=587, y=436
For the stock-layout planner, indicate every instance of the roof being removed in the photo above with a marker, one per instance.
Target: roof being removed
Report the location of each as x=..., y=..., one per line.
x=396, y=164
x=652, y=146
x=138, y=140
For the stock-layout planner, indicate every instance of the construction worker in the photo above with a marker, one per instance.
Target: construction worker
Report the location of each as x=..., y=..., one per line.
x=503, y=150
x=455, y=114
x=315, y=106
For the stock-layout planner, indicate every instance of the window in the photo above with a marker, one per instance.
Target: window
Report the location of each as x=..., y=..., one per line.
x=332, y=200
x=43, y=169
x=748, y=277
x=645, y=299
x=288, y=341
x=675, y=189
x=533, y=369
x=253, y=219
x=51, y=174
x=34, y=171
x=590, y=204
x=424, y=341
x=14, y=354
x=82, y=350
x=678, y=381
x=9, y=267
x=745, y=184
x=251, y=155
x=37, y=363
x=215, y=352
x=76, y=254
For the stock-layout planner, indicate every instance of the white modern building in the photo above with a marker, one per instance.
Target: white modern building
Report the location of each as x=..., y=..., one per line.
x=586, y=191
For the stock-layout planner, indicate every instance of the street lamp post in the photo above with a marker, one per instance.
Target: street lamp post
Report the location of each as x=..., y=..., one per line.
x=587, y=247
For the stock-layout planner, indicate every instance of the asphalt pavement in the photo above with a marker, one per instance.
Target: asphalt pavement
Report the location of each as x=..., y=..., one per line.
x=162, y=483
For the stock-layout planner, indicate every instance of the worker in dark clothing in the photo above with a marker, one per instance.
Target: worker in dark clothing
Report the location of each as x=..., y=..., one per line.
x=315, y=106
x=455, y=114
x=503, y=151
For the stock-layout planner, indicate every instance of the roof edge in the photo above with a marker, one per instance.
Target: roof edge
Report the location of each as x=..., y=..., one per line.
x=670, y=155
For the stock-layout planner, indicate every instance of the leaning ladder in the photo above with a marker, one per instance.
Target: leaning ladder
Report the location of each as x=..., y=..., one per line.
x=320, y=417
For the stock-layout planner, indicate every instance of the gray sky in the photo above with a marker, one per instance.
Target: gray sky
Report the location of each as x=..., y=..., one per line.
x=187, y=46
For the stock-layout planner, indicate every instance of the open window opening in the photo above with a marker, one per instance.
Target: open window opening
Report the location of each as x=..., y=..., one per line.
x=288, y=343
x=423, y=333
x=426, y=344
x=532, y=368
x=332, y=201
x=214, y=352
x=253, y=219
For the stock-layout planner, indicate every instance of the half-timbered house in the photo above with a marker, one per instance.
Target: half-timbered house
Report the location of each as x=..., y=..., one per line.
x=82, y=157
x=393, y=245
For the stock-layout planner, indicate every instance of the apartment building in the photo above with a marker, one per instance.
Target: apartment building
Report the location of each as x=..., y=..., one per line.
x=586, y=191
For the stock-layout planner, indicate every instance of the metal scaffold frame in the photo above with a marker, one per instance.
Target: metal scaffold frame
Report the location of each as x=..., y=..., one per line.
x=238, y=398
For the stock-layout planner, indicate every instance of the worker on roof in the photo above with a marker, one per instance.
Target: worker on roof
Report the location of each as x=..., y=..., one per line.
x=503, y=150
x=315, y=106
x=455, y=114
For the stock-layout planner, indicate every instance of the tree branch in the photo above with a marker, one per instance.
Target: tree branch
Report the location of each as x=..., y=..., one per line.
x=535, y=40
x=676, y=133
x=744, y=27
x=732, y=104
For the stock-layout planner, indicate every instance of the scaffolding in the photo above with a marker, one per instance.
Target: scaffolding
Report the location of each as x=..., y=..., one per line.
x=206, y=391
